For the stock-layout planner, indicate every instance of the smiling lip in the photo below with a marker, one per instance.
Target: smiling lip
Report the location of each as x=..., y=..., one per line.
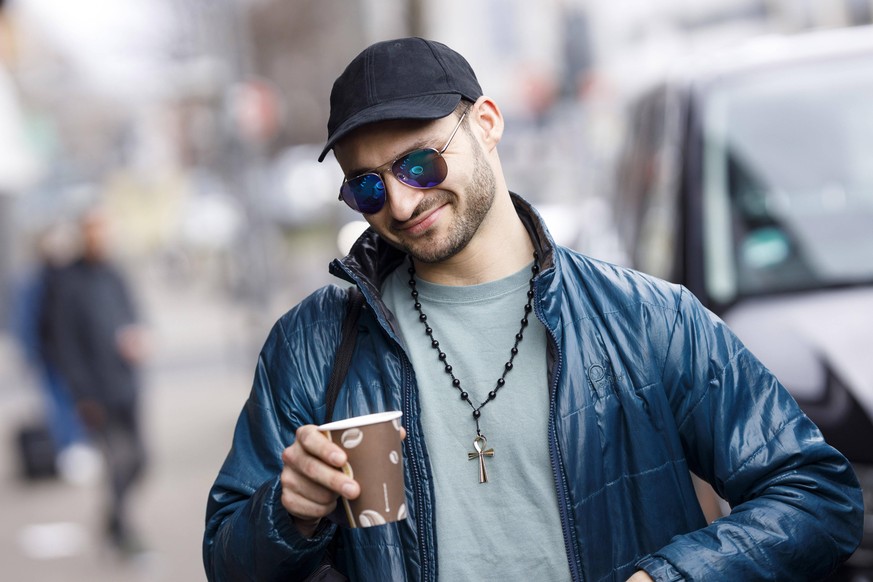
x=424, y=222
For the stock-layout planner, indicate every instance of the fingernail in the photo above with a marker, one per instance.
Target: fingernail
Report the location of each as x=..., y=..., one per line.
x=337, y=459
x=349, y=489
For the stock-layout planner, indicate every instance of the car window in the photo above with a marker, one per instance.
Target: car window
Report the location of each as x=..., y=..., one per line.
x=647, y=179
x=788, y=180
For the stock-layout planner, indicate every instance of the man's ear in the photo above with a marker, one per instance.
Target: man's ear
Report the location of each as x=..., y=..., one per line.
x=486, y=120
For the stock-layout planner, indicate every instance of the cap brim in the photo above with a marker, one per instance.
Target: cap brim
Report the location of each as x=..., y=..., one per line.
x=422, y=107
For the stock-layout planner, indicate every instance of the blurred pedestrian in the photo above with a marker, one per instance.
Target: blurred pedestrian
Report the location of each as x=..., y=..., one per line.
x=98, y=344
x=51, y=254
x=600, y=389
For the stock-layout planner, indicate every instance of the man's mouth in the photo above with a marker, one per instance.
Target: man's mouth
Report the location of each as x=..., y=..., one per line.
x=422, y=221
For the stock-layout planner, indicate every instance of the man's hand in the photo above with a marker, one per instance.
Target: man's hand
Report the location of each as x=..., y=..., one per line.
x=311, y=479
x=132, y=343
x=640, y=576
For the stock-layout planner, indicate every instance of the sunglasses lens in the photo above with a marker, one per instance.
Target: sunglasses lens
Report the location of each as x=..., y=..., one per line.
x=421, y=169
x=366, y=193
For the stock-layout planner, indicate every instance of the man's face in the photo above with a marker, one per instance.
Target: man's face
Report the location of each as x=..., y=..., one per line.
x=433, y=224
x=95, y=236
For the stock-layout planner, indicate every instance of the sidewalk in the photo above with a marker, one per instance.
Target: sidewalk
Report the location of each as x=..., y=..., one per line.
x=200, y=374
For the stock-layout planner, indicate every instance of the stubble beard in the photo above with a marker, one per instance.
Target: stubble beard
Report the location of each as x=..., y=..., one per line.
x=479, y=197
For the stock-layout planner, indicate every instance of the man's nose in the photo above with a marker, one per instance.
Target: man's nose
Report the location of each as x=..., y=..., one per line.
x=401, y=199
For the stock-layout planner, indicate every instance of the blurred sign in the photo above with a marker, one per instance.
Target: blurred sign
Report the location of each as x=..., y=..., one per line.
x=256, y=111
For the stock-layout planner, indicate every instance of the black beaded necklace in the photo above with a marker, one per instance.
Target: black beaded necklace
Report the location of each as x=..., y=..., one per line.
x=480, y=443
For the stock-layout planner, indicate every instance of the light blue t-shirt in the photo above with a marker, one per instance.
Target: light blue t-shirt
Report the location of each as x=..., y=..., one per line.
x=508, y=528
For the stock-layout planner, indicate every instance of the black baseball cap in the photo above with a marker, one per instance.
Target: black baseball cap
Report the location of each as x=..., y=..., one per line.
x=406, y=78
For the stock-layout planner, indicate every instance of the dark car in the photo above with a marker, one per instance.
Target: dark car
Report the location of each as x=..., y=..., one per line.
x=748, y=177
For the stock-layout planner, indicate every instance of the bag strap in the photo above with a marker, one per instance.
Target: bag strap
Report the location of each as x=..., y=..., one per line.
x=343, y=357
x=326, y=571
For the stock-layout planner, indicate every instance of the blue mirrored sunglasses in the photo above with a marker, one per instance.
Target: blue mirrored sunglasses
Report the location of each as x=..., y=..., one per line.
x=424, y=168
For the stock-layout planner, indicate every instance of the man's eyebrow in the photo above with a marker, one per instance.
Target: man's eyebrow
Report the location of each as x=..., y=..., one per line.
x=420, y=143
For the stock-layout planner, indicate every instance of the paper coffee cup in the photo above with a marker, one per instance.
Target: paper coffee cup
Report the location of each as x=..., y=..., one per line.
x=375, y=460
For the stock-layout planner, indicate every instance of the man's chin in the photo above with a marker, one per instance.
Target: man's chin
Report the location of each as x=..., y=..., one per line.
x=430, y=251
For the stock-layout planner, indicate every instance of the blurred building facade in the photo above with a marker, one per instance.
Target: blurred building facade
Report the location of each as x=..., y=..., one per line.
x=189, y=119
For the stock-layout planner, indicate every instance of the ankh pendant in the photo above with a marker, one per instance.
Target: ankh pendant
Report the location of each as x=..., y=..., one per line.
x=480, y=444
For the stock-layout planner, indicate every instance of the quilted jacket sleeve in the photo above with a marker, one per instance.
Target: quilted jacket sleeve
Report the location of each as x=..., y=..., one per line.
x=249, y=535
x=796, y=503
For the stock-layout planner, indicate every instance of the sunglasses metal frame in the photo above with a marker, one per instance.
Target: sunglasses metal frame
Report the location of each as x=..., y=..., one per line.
x=390, y=167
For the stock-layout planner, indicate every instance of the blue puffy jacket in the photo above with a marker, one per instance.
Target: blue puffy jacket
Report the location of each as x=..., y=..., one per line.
x=647, y=386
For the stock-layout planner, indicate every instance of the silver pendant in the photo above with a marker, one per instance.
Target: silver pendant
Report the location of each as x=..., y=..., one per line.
x=480, y=444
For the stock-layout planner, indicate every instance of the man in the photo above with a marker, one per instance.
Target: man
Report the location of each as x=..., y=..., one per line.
x=594, y=390
x=31, y=325
x=96, y=343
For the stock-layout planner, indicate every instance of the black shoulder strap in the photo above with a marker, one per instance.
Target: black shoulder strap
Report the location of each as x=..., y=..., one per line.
x=344, y=352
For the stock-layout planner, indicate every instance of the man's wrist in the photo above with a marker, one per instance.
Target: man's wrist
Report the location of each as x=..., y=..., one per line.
x=306, y=527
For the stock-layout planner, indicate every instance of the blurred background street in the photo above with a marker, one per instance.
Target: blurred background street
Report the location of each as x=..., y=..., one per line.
x=203, y=361
x=196, y=125
x=50, y=527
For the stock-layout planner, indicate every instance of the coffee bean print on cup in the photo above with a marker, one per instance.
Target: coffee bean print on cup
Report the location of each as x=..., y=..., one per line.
x=351, y=438
x=373, y=447
x=370, y=517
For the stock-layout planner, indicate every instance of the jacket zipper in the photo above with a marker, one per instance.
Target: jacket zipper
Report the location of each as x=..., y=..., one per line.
x=407, y=413
x=413, y=466
x=569, y=547
x=416, y=475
